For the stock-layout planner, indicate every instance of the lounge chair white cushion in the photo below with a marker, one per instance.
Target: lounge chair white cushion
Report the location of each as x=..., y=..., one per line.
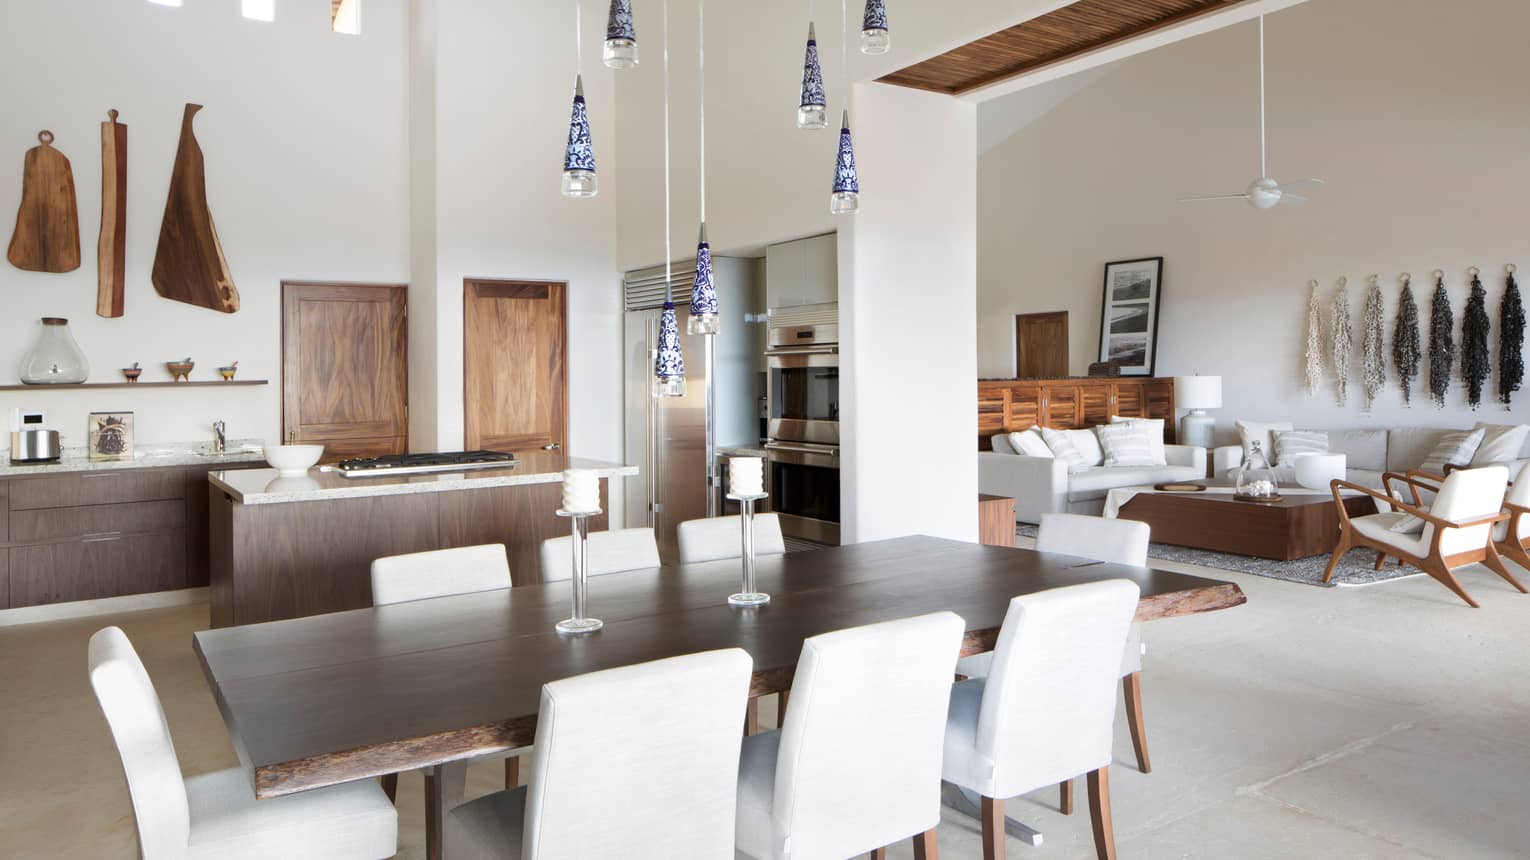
x=1379, y=527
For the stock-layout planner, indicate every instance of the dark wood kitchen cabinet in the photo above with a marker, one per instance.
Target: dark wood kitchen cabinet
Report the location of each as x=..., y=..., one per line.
x=108, y=533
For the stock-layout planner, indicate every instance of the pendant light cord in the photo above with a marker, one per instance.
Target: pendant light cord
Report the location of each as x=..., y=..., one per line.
x=1263, y=169
x=701, y=75
x=578, y=42
x=844, y=65
x=669, y=293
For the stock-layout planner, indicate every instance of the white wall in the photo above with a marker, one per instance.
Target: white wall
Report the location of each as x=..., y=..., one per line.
x=907, y=264
x=1416, y=119
x=304, y=137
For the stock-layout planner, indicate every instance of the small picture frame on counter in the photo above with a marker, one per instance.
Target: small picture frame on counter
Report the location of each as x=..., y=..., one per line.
x=110, y=436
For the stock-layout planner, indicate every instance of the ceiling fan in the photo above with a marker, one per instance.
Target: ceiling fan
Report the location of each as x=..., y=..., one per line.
x=1264, y=192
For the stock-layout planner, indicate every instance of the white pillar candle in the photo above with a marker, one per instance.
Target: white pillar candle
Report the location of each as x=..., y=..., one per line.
x=746, y=476
x=581, y=491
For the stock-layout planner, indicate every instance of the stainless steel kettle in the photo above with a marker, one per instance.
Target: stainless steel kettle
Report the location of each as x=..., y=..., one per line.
x=35, y=446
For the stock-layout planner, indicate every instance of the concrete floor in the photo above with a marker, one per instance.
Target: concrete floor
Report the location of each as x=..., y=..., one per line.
x=1390, y=722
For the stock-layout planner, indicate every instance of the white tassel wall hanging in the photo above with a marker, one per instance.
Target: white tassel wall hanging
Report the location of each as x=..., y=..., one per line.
x=1343, y=339
x=1313, y=357
x=1373, y=353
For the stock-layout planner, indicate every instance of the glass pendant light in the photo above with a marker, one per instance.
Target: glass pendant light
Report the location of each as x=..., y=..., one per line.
x=874, y=28
x=703, y=318
x=579, y=157
x=669, y=361
x=847, y=186
x=813, y=111
x=621, y=37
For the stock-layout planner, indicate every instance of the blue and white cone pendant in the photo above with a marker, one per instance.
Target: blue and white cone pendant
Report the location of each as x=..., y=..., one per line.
x=669, y=364
x=620, y=51
x=874, y=28
x=579, y=157
x=703, y=294
x=813, y=110
x=847, y=186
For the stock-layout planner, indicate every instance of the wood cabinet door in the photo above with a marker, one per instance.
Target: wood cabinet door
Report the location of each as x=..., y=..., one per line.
x=514, y=365
x=345, y=368
x=1041, y=345
x=96, y=567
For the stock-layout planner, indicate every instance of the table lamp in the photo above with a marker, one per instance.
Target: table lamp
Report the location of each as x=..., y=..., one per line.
x=1197, y=394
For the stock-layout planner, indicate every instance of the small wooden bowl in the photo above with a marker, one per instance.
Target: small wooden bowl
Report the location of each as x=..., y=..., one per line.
x=180, y=370
x=227, y=373
x=132, y=373
x=1179, y=488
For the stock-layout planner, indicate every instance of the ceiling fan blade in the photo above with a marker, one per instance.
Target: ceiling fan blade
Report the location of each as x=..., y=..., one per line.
x=1214, y=197
x=1300, y=183
x=1292, y=198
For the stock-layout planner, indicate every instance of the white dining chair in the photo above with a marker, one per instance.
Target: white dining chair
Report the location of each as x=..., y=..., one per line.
x=856, y=766
x=1045, y=713
x=439, y=573
x=1098, y=539
x=636, y=762
x=216, y=815
x=610, y=552
x=444, y=573
x=718, y=538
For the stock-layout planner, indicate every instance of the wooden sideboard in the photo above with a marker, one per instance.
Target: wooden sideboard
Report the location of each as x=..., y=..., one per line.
x=1008, y=405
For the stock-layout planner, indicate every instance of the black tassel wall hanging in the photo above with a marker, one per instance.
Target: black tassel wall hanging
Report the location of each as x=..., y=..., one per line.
x=1476, y=358
x=1442, y=345
x=1405, y=341
x=1511, y=339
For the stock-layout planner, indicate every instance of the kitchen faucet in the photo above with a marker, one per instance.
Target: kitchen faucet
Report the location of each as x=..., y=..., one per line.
x=220, y=442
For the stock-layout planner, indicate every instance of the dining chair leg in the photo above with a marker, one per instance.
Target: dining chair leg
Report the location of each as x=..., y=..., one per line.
x=1338, y=553
x=512, y=771
x=992, y=817
x=1131, y=690
x=1099, y=813
x=752, y=718
x=390, y=787
x=1065, y=797
x=925, y=847
x=1381, y=560
x=1495, y=563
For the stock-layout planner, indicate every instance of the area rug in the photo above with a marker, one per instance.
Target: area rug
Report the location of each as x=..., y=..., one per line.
x=1356, y=568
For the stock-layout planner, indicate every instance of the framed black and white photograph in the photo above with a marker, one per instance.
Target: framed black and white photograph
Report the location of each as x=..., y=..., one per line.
x=1129, y=315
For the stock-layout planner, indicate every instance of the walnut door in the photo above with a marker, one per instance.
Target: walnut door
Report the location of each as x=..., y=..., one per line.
x=514, y=363
x=1041, y=345
x=345, y=368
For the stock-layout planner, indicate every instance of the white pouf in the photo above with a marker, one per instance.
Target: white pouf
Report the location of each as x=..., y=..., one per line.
x=1316, y=471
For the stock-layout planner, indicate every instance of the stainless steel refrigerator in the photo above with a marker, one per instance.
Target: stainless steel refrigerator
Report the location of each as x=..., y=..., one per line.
x=665, y=437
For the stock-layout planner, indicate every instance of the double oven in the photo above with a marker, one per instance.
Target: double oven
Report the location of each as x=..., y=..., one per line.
x=802, y=410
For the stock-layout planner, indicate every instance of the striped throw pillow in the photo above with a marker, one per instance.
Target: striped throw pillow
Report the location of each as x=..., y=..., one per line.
x=1126, y=444
x=1290, y=444
x=1456, y=449
x=1064, y=449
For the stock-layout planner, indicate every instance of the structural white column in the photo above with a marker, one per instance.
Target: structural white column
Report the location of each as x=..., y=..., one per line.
x=424, y=358
x=908, y=319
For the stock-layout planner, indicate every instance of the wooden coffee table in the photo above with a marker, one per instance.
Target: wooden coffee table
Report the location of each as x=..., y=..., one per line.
x=1295, y=527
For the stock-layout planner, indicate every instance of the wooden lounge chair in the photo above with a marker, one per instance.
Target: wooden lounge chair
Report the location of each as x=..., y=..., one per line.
x=1457, y=531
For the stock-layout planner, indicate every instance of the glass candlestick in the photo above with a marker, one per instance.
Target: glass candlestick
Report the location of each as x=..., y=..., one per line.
x=578, y=623
x=748, y=596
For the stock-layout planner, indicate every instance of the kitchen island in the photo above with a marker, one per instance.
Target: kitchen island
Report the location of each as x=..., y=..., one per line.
x=288, y=547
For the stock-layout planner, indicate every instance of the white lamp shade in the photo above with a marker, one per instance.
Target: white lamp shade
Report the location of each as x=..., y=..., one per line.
x=1198, y=392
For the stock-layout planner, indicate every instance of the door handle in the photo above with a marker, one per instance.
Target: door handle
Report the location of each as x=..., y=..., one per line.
x=101, y=537
x=552, y=447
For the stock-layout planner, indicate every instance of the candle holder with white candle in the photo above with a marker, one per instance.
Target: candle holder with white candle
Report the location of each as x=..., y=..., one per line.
x=746, y=485
x=581, y=500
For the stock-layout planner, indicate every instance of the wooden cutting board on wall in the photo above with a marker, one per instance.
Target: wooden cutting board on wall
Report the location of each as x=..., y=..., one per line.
x=189, y=265
x=47, y=237
x=111, y=247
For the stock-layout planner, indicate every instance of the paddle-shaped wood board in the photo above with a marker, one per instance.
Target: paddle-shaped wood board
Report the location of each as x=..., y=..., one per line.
x=111, y=247
x=189, y=265
x=47, y=237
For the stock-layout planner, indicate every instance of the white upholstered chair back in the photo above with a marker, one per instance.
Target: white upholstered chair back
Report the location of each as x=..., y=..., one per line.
x=1049, y=703
x=860, y=754
x=438, y=573
x=138, y=726
x=610, y=552
x=720, y=537
x=640, y=761
x=1098, y=538
x=1468, y=494
x=1519, y=494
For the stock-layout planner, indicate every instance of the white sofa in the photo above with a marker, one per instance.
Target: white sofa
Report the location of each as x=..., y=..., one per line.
x=1368, y=454
x=1042, y=485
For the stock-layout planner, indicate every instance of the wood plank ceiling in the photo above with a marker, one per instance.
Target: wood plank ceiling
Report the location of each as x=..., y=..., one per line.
x=1062, y=33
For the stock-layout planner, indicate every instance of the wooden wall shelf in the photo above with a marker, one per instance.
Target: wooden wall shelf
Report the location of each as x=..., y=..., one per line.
x=204, y=383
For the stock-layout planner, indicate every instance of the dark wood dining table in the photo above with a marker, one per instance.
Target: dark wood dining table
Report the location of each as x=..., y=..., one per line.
x=328, y=699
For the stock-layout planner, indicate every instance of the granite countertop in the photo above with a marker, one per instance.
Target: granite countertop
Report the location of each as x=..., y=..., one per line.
x=266, y=486
x=145, y=457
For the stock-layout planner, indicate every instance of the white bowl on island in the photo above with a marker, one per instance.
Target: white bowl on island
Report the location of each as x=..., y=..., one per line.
x=292, y=460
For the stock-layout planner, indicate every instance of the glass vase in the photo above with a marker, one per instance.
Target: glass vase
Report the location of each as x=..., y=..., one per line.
x=1255, y=479
x=55, y=359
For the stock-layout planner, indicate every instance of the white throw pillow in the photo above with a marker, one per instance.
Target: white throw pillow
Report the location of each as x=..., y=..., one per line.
x=1290, y=444
x=1030, y=443
x=1088, y=445
x=1155, y=426
x=1262, y=432
x=1409, y=525
x=1501, y=443
x=1126, y=444
x=1455, y=449
x=1061, y=446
